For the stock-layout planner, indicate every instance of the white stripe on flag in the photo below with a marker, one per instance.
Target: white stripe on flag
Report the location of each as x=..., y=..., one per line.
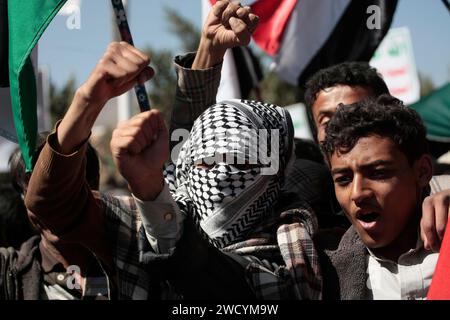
x=229, y=82
x=309, y=27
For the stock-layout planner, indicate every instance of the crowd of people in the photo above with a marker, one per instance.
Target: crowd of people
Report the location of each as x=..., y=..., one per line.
x=363, y=220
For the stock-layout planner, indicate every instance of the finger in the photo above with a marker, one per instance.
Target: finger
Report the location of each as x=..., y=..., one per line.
x=424, y=238
x=162, y=126
x=137, y=52
x=249, y=19
x=240, y=30
x=146, y=75
x=137, y=121
x=132, y=69
x=243, y=13
x=153, y=124
x=428, y=226
x=162, y=138
x=110, y=70
x=219, y=7
x=132, y=128
x=135, y=58
x=253, y=22
x=229, y=12
x=441, y=209
x=123, y=145
x=150, y=124
x=143, y=77
x=130, y=145
x=135, y=133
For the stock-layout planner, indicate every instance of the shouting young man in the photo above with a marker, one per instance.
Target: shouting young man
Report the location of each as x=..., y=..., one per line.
x=377, y=153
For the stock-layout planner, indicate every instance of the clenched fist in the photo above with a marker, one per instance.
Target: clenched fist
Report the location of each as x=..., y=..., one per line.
x=228, y=25
x=140, y=147
x=120, y=69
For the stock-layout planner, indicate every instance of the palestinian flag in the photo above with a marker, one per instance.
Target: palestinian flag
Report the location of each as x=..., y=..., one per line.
x=22, y=24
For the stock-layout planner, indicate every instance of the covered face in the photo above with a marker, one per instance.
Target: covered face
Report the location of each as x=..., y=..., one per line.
x=229, y=172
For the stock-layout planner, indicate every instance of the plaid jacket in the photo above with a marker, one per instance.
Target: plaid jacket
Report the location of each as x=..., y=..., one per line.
x=282, y=260
x=123, y=223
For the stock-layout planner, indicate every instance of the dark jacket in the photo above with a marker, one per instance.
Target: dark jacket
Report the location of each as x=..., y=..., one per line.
x=196, y=269
x=20, y=271
x=343, y=259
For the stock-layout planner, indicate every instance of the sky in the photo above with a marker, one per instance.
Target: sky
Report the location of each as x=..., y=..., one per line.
x=66, y=52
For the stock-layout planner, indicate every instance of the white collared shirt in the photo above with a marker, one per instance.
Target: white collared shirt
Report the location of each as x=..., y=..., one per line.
x=407, y=279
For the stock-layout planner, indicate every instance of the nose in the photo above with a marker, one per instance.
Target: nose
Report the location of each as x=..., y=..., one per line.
x=360, y=190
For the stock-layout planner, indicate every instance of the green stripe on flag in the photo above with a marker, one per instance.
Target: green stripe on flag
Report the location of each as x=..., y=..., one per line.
x=27, y=21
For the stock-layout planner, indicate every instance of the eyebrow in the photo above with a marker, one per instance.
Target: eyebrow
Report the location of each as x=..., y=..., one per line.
x=364, y=166
x=326, y=113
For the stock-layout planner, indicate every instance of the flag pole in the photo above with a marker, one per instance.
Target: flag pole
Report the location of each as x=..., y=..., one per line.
x=125, y=35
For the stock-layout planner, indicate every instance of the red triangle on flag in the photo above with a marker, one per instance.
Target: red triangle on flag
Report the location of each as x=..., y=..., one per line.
x=273, y=18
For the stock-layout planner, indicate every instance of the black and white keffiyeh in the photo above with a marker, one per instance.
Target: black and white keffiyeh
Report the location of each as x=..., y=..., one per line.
x=220, y=178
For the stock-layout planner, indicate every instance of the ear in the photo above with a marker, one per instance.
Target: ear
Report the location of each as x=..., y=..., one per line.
x=424, y=170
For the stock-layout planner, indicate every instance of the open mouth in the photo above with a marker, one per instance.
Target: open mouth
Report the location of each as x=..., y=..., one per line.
x=368, y=217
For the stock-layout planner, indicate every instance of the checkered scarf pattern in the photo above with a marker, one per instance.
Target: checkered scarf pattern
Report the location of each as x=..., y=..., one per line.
x=284, y=263
x=227, y=202
x=123, y=223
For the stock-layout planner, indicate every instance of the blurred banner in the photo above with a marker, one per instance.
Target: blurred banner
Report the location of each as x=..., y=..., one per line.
x=300, y=121
x=394, y=59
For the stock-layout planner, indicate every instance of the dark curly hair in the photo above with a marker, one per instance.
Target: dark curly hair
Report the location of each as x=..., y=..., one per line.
x=353, y=74
x=384, y=116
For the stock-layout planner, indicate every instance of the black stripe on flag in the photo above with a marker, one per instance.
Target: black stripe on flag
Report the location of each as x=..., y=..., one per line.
x=248, y=70
x=351, y=39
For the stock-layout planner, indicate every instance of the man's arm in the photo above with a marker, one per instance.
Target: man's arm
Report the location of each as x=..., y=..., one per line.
x=228, y=25
x=58, y=197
